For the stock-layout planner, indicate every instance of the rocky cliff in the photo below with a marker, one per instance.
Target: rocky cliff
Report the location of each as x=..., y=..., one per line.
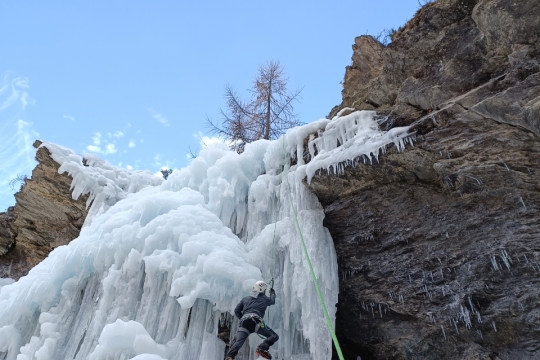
x=45, y=216
x=438, y=246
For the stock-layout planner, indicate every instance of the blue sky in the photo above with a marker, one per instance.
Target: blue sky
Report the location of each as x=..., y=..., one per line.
x=134, y=80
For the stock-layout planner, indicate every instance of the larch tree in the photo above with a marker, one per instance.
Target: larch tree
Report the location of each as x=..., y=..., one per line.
x=267, y=115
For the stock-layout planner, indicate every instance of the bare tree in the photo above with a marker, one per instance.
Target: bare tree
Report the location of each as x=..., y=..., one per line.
x=20, y=179
x=267, y=115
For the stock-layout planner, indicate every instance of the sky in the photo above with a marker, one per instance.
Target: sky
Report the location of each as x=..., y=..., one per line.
x=134, y=81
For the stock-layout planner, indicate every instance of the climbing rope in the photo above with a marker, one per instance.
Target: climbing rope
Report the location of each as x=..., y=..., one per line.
x=304, y=247
x=314, y=277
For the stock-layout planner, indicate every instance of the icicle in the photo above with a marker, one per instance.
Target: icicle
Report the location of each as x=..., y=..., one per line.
x=465, y=316
x=494, y=263
x=506, y=259
x=455, y=326
x=349, y=138
x=444, y=334
x=471, y=305
x=522, y=203
x=506, y=166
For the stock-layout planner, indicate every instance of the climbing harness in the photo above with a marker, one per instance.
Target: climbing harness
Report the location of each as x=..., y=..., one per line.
x=259, y=324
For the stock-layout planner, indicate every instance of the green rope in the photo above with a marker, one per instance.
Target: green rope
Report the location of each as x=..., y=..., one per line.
x=314, y=277
x=304, y=247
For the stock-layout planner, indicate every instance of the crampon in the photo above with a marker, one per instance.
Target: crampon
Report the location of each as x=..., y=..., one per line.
x=263, y=353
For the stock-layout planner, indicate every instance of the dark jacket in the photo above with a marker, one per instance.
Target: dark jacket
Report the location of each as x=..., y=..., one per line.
x=255, y=303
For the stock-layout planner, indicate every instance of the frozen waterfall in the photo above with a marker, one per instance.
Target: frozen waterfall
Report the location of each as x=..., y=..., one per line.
x=160, y=265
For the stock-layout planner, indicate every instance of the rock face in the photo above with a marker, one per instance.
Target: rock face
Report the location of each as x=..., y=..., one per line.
x=449, y=48
x=438, y=247
x=45, y=216
x=367, y=61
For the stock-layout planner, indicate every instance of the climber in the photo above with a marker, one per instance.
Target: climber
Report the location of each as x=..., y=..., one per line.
x=250, y=310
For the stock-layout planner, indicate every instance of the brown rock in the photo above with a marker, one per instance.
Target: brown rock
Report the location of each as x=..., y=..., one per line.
x=449, y=48
x=438, y=246
x=417, y=235
x=366, y=65
x=7, y=236
x=518, y=105
x=45, y=216
x=506, y=24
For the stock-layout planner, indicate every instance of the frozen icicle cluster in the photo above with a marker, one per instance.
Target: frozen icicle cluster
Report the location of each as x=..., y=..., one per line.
x=160, y=264
x=105, y=184
x=224, y=179
x=144, y=261
x=346, y=140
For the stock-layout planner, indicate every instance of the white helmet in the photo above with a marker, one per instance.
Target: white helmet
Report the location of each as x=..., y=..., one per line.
x=260, y=287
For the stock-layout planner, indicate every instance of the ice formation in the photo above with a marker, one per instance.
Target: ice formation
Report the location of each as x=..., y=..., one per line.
x=159, y=265
x=6, y=281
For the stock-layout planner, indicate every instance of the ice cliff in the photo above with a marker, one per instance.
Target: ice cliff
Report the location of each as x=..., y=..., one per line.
x=159, y=265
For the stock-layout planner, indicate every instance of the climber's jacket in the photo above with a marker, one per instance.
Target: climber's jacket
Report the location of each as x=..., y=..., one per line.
x=255, y=303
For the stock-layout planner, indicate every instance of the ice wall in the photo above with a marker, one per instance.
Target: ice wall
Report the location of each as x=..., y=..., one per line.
x=160, y=264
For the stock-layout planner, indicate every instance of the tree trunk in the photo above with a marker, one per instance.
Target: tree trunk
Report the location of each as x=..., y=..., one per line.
x=268, y=102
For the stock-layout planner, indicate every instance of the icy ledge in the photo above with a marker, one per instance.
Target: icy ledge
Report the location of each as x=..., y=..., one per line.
x=343, y=141
x=160, y=265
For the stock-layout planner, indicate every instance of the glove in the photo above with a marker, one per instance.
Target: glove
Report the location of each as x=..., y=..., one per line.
x=272, y=291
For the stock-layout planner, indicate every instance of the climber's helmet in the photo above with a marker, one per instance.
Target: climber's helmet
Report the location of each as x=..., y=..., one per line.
x=260, y=287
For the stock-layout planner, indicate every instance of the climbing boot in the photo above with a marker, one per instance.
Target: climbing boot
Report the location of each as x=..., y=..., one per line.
x=229, y=358
x=265, y=354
